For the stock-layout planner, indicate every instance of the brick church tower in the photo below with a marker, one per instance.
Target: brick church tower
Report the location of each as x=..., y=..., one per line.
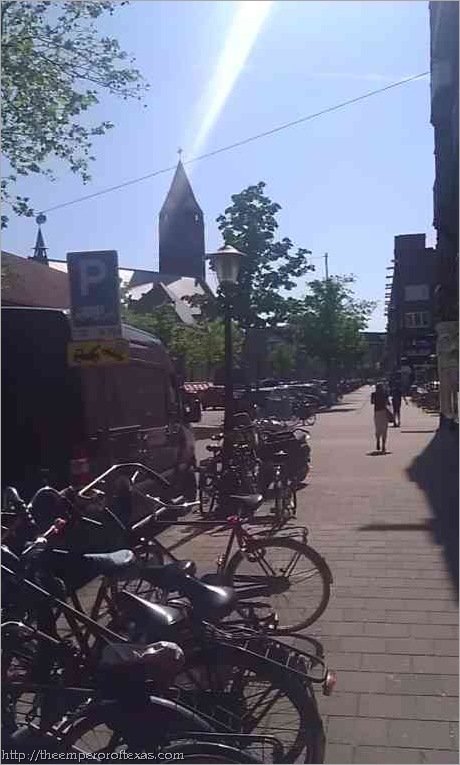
x=181, y=230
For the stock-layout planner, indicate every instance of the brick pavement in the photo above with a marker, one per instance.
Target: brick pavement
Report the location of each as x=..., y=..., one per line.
x=391, y=627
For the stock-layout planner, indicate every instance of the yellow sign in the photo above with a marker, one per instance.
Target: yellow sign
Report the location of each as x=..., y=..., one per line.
x=98, y=353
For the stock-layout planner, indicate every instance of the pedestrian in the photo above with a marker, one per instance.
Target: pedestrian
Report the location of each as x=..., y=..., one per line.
x=379, y=399
x=396, y=398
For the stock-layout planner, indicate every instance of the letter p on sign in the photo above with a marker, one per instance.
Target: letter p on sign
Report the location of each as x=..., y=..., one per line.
x=92, y=271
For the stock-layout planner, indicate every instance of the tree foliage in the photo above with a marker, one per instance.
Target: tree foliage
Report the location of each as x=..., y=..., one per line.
x=282, y=359
x=328, y=322
x=269, y=266
x=55, y=65
x=200, y=346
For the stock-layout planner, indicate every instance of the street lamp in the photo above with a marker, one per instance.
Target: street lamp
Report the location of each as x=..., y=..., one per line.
x=226, y=262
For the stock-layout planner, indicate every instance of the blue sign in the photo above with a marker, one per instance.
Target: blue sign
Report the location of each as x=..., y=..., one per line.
x=94, y=295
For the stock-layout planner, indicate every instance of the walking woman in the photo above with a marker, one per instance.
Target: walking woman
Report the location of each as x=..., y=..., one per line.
x=380, y=401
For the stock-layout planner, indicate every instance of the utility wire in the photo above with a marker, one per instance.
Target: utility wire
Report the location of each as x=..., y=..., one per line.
x=239, y=143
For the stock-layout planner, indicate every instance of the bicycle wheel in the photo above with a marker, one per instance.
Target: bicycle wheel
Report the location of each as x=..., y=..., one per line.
x=240, y=692
x=112, y=727
x=207, y=491
x=291, y=577
x=206, y=752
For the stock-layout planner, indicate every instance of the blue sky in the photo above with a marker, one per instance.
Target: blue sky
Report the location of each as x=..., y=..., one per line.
x=348, y=182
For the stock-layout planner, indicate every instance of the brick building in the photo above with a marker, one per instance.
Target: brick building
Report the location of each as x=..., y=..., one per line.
x=411, y=303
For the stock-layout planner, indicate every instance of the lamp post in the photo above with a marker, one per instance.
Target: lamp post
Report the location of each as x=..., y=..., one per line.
x=226, y=262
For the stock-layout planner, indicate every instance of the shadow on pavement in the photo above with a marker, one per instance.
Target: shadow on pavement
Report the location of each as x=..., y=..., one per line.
x=435, y=470
x=426, y=526
x=418, y=431
x=333, y=410
x=378, y=454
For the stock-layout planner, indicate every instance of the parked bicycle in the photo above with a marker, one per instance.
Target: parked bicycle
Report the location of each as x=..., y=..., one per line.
x=231, y=680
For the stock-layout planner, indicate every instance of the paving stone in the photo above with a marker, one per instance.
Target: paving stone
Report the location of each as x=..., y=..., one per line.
x=344, y=704
x=386, y=663
x=408, y=707
x=340, y=628
x=387, y=629
x=338, y=754
x=439, y=757
x=365, y=614
x=422, y=684
x=435, y=631
x=411, y=646
x=362, y=682
x=358, y=730
x=338, y=661
x=443, y=618
x=445, y=665
x=373, y=754
x=422, y=734
x=411, y=617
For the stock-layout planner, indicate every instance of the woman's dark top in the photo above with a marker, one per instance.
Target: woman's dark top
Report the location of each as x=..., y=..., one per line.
x=396, y=396
x=380, y=400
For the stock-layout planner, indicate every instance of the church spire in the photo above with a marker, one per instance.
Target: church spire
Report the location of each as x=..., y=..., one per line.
x=181, y=239
x=40, y=249
x=180, y=194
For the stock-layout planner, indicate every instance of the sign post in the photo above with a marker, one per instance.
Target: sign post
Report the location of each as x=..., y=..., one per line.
x=95, y=309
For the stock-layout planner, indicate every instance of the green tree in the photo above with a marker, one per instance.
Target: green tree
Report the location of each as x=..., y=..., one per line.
x=55, y=66
x=200, y=346
x=269, y=266
x=328, y=322
x=282, y=359
x=161, y=322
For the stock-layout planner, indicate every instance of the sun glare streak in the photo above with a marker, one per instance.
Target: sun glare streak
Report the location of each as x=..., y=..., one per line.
x=247, y=22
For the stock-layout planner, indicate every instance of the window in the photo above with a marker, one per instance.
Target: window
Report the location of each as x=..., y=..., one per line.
x=417, y=319
x=125, y=396
x=414, y=292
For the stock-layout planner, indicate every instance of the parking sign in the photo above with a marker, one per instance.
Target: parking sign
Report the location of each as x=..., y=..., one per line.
x=94, y=295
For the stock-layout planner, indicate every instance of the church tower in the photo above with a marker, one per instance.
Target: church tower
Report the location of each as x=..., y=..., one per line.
x=181, y=231
x=40, y=248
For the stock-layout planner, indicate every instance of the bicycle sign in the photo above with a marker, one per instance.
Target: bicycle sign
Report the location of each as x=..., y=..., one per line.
x=98, y=353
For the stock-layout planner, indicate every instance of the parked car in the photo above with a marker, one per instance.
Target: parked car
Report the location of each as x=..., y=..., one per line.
x=213, y=397
x=63, y=424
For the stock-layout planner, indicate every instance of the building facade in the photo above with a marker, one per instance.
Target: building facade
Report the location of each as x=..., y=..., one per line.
x=444, y=66
x=411, y=306
x=374, y=357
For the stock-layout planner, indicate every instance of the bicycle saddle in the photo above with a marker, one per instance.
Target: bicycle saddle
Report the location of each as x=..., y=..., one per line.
x=161, y=571
x=110, y=563
x=208, y=602
x=249, y=502
x=162, y=659
x=158, y=621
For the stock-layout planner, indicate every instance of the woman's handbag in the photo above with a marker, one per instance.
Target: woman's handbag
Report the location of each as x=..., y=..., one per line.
x=390, y=416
